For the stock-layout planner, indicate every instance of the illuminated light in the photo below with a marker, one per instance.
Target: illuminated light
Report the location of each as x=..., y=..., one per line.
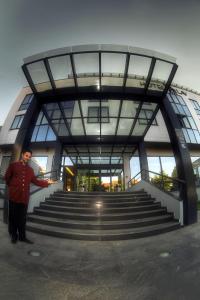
x=98, y=204
x=69, y=171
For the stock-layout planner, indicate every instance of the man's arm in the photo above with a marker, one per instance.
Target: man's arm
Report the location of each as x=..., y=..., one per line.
x=8, y=174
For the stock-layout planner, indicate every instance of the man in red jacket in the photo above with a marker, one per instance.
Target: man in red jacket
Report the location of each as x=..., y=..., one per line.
x=18, y=177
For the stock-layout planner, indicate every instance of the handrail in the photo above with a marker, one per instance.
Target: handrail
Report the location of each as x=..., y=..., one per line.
x=161, y=184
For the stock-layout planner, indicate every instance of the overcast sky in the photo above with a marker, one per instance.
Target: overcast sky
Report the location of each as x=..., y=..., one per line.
x=28, y=27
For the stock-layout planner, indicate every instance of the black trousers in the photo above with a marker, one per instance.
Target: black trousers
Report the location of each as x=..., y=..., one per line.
x=17, y=220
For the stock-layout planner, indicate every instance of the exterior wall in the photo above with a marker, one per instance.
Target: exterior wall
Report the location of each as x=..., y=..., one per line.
x=8, y=136
x=154, y=133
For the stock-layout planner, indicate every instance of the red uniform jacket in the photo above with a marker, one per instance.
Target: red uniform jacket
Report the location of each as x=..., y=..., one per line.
x=18, y=178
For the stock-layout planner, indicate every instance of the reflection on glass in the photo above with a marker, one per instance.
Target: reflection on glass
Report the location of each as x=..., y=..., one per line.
x=39, y=76
x=62, y=71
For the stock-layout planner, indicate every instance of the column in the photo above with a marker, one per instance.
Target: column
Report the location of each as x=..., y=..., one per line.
x=57, y=159
x=127, y=170
x=183, y=162
x=143, y=161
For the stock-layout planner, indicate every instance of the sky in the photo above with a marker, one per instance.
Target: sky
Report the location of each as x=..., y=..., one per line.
x=29, y=27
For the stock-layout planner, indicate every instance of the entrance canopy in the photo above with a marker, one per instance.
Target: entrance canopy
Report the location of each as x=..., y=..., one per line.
x=97, y=68
x=99, y=100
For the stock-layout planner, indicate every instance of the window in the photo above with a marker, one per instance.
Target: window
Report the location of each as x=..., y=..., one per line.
x=196, y=107
x=188, y=124
x=26, y=102
x=42, y=130
x=97, y=113
x=145, y=117
x=17, y=122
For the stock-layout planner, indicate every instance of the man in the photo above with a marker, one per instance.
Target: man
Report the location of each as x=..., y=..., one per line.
x=18, y=177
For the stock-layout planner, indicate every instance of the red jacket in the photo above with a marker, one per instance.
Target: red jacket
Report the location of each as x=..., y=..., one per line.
x=18, y=178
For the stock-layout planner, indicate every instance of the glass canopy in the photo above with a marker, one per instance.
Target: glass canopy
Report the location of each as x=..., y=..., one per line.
x=99, y=67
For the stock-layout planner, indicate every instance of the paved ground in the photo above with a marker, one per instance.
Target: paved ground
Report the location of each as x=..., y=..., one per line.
x=122, y=270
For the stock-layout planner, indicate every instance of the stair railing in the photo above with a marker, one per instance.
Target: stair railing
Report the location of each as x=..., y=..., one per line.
x=165, y=183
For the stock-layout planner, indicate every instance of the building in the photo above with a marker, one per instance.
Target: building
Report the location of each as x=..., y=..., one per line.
x=99, y=114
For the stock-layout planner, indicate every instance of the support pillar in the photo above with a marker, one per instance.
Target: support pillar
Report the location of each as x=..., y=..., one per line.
x=57, y=159
x=127, y=171
x=25, y=132
x=183, y=162
x=143, y=161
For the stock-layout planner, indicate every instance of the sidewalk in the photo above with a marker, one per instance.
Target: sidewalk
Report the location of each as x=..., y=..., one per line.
x=70, y=270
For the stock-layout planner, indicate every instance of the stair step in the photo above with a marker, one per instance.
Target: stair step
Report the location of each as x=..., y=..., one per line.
x=106, y=200
x=98, y=235
x=103, y=210
x=113, y=216
x=103, y=225
x=90, y=204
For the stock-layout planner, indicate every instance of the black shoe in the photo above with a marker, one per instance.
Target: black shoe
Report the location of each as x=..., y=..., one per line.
x=25, y=240
x=13, y=240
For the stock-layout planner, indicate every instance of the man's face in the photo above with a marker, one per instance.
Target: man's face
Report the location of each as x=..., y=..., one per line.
x=26, y=156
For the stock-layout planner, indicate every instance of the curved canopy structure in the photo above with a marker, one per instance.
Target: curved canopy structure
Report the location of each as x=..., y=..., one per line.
x=100, y=68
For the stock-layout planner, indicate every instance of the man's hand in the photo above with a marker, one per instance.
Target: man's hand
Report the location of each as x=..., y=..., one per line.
x=50, y=181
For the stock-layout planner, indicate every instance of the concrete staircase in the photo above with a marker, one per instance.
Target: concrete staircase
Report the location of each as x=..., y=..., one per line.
x=99, y=216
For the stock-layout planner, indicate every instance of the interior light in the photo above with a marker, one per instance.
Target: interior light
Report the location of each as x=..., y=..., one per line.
x=69, y=171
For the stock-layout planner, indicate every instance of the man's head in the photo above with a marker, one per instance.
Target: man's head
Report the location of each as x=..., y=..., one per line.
x=26, y=155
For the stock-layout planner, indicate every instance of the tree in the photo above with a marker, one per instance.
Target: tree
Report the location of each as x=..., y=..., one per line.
x=162, y=181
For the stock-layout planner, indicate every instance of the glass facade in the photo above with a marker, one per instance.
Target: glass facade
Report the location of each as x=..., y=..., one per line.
x=190, y=131
x=196, y=107
x=42, y=131
x=26, y=102
x=17, y=122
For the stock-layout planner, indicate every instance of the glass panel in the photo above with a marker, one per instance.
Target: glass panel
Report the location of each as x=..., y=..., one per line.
x=192, y=123
x=63, y=130
x=191, y=135
x=187, y=112
x=139, y=128
x=168, y=166
x=104, y=114
x=62, y=71
x=154, y=165
x=68, y=108
x=180, y=109
x=41, y=161
x=129, y=109
x=175, y=108
x=93, y=115
x=56, y=114
x=34, y=133
x=197, y=135
x=39, y=76
x=50, y=135
x=112, y=66
x=85, y=104
x=91, y=128
x=186, y=135
x=87, y=69
x=20, y=121
x=138, y=71
x=161, y=72
x=135, y=166
x=113, y=107
x=109, y=129
x=41, y=136
x=15, y=123
x=113, y=63
x=124, y=126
